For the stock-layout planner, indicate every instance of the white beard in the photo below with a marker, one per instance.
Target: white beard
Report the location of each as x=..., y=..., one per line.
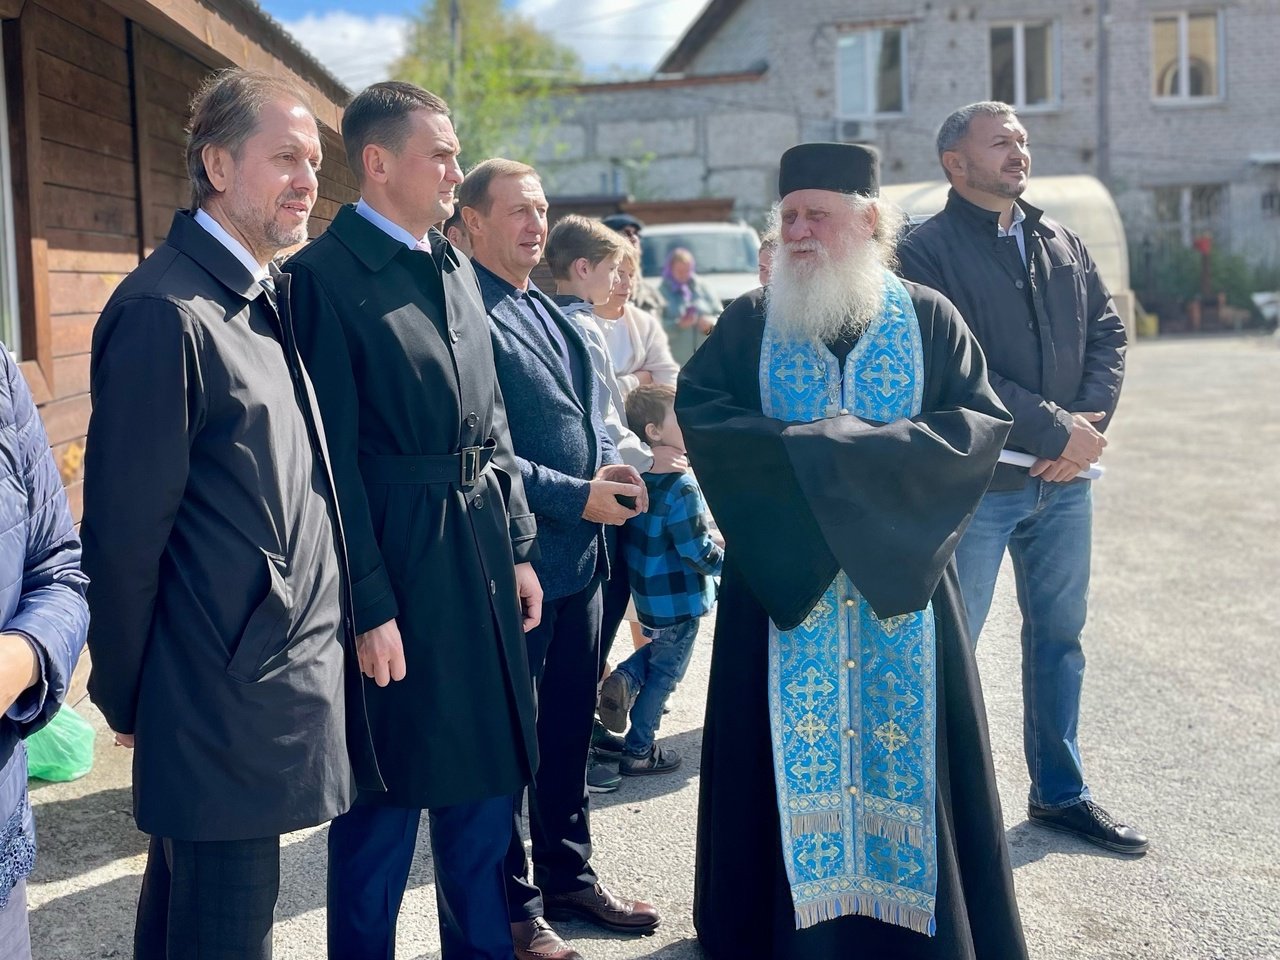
x=823, y=297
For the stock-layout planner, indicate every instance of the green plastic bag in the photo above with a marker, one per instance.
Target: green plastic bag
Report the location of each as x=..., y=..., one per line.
x=62, y=749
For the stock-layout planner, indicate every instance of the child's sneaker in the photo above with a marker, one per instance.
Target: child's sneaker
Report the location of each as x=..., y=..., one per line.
x=616, y=698
x=601, y=778
x=660, y=760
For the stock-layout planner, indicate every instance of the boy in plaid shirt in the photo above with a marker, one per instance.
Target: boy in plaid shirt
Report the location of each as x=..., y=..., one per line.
x=673, y=559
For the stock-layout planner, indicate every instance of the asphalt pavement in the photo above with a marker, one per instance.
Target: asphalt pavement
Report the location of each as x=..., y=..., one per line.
x=1179, y=730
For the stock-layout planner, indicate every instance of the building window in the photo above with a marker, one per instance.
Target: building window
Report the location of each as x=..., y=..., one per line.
x=872, y=76
x=1184, y=213
x=10, y=326
x=1024, y=64
x=1187, y=56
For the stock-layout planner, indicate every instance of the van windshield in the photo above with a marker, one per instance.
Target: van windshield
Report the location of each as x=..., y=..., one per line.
x=727, y=251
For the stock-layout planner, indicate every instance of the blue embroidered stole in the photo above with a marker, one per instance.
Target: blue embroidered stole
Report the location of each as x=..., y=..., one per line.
x=853, y=699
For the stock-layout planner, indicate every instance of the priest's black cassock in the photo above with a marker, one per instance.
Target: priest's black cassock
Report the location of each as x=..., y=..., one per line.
x=798, y=502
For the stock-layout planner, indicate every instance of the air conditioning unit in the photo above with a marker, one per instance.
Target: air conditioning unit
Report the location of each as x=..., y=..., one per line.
x=855, y=131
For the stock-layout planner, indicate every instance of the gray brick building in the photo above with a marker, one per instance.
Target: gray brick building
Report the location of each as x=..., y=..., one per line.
x=1172, y=103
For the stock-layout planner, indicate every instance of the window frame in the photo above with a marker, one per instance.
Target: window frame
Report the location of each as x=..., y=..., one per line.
x=1188, y=227
x=1184, y=98
x=18, y=34
x=1019, y=103
x=871, y=78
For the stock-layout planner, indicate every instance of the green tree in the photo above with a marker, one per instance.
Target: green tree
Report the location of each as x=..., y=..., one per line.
x=497, y=77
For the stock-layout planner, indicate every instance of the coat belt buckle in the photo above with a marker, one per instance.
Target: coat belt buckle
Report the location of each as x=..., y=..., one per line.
x=470, y=465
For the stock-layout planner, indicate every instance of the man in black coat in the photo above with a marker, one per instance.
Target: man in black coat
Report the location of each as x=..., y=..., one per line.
x=222, y=649
x=1031, y=293
x=393, y=331
x=573, y=479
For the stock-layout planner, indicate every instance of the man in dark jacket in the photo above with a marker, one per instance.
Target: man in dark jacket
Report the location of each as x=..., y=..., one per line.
x=221, y=643
x=1030, y=292
x=573, y=479
x=393, y=332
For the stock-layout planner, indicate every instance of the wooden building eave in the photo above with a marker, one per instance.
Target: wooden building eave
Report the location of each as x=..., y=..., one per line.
x=698, y=35
x=238, y=33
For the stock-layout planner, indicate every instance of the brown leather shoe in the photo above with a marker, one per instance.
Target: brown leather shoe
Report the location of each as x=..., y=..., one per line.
x=597, y=905
x=535, y=940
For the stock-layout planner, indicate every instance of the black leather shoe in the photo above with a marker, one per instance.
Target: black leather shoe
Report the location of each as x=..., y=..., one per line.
x=607, y=746
x=1088, y=821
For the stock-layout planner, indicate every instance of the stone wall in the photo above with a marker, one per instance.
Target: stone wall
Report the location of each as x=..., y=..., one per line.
x=704, y=138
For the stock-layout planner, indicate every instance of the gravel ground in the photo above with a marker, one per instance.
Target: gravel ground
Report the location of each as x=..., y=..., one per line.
x=1179, y=724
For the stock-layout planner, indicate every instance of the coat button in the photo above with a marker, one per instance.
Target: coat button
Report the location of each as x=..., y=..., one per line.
x=853, y=791
x=844, y=411
x=1019, y=284
x=472, y=420
x=478, y=502
x=493, y=588
x=851, y=602
x=851, y=664
x=851, y=734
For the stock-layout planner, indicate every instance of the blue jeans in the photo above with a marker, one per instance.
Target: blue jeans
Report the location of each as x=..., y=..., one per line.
x=1047, y=528
x=654, y=670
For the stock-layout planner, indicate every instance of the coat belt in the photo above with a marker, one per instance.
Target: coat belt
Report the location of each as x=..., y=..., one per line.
x=462, y=468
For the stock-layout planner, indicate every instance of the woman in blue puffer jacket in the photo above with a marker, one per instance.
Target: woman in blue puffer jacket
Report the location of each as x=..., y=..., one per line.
x=43, y=619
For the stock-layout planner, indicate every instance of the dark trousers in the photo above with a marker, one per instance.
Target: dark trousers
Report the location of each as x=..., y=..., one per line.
x=208, y=900
x=616, y=592
x=564, y=655
x=370, y=852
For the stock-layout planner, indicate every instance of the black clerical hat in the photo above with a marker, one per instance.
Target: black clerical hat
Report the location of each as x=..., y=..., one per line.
x=842, y=167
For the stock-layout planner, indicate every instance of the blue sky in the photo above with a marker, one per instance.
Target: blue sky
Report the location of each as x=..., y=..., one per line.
x=358, y=39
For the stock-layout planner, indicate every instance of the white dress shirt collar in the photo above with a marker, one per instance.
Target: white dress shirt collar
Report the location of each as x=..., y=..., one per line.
x=1015, y=230
x=391, y=229
x=256, y=270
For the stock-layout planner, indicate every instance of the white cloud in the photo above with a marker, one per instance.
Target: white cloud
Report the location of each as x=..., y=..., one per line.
x=357, y=50
x=609, y=35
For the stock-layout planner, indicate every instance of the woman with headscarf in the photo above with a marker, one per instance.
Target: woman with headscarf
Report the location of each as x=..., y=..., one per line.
x=691, y=309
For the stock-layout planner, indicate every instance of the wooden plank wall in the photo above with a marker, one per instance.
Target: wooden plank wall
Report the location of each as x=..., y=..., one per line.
x=112, y=110
x=89, y=199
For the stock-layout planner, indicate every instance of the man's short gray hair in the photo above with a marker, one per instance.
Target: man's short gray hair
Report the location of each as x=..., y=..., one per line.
x=474, y=191
x=956, y=127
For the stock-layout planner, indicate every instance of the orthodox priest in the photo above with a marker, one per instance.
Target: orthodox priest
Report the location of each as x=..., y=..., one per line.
x=843, y=430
